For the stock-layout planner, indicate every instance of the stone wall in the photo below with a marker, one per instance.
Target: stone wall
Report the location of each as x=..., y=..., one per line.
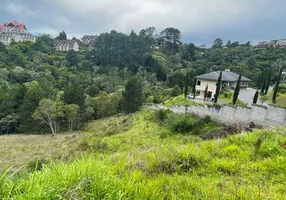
x=270, y=116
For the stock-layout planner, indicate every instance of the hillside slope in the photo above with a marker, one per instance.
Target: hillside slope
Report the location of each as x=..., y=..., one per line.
x=140, y=157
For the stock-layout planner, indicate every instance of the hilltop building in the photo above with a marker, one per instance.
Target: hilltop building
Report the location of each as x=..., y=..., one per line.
x=89, y=41
x=16, y=31
x=66, y=45
x=229, y=81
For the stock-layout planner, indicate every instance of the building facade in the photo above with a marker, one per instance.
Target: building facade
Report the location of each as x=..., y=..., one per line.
x=66, y=45
x=209, y=80
x=89, y=41
x=15, y=31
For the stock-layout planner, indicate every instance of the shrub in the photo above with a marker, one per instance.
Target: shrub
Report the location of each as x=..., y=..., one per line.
x=36, y=164
x=162, y=115
x=182, y=123
x=225, y=94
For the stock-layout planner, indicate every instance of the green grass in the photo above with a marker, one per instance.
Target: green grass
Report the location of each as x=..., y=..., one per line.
x=280, y=99
x=139, y=157
x=179, y=101
x=229, y=100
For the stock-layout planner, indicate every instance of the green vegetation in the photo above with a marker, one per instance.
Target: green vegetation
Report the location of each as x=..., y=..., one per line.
x=280, y=99
x=179, y=101
x=95, y=80
x=227, y=97
x=138, y=157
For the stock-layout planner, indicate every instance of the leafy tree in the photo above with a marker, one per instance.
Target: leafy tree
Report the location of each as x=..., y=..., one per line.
x=70, y=112
x=171, y=38
x=237, y=89
x=9, y=123
x=191, y=50
x=218, y=86
x=49, y=112
x=235, y=44
x=71, y=58
x=217, y=43
x=247, y=44
x=176, y=91
x=228, y=44
x=33, y=94
x=2, y=47
x=62, y=36
x=133, y=95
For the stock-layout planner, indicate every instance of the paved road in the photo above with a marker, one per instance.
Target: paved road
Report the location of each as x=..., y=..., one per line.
x=246, y=95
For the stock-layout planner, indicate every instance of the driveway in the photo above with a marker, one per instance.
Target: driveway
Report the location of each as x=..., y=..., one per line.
x=246, y=95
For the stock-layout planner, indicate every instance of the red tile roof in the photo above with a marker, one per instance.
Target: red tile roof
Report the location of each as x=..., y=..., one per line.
x=14, y=23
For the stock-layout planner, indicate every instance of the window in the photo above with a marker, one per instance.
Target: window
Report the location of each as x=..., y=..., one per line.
x=198, y=82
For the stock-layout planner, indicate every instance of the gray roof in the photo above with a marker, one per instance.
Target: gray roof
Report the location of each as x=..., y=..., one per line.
x=226, y=76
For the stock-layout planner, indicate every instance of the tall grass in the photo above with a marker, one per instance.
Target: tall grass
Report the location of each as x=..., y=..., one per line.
x=138, y=164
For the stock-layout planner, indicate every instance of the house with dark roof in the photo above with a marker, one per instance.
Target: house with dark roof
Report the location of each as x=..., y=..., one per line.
x=229, y=81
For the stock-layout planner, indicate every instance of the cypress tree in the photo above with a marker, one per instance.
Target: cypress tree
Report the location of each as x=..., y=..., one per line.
x=218, y=85
x=187, y=84
x=236, y=91
x=263, y=80
x=206, y=92
x=277, y=85
x=194, y=88
x=255, y=98
x=268, y=81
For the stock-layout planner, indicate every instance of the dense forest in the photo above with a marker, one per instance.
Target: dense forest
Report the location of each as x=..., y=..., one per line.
x=42, y=90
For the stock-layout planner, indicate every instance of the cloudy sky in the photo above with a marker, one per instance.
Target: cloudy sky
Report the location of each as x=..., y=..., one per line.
x=200, y=21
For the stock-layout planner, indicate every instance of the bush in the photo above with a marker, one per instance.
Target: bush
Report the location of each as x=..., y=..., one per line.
x=182, y=123
x=282, y=89
x=176, y=91
x=162, y=115
x=225, y=94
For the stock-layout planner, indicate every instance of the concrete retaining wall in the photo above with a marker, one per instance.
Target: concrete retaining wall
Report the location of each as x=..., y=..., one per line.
x=270, y=116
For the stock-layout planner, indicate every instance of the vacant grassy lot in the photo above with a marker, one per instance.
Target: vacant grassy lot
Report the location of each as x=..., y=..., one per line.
x=24, y=150
x=148, y=155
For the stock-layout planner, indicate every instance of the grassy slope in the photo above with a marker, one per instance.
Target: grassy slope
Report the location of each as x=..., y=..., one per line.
x=280, y=99
x=229, y=100
x=21, y=150
x=130, y=159
x=179, y=101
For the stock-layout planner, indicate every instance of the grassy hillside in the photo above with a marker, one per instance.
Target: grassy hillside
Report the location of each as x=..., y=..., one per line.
x=280, y=100
x=24, y=150
x=146, y=156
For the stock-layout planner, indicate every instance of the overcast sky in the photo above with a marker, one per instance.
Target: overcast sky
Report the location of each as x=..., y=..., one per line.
x=200, y=21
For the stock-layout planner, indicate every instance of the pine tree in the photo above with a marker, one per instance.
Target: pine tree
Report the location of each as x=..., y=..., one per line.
x=206, y=92
x=194, y=88
x=236, y=91
x=263, y=81
x=268, y=82
x=218, y=85
x=133, y=95
x=187, y=84
x=277, y=84
x=255, y=98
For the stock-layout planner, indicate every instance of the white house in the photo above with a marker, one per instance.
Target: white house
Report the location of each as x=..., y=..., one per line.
x=229, y=80
x=89, y=41
x=66, y=45
x=15, y=31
